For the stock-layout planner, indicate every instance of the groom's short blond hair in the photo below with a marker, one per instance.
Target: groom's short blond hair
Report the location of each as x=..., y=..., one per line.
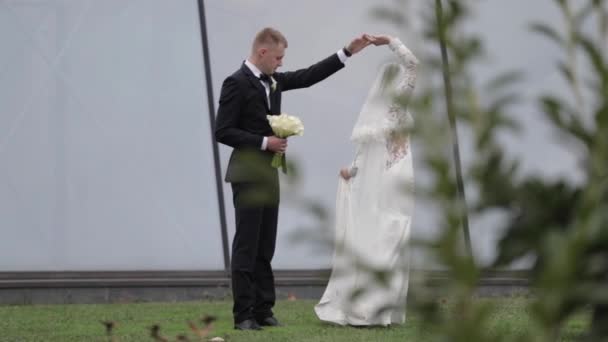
x=267, y=36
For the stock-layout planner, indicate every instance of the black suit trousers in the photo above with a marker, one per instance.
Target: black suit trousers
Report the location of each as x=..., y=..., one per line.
x=253, y=248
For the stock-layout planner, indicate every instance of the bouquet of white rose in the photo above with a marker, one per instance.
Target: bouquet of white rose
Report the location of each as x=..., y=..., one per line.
x=284, y=126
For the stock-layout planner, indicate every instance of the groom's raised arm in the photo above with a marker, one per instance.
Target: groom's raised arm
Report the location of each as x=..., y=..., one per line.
x=317, y=72
x=304, y=78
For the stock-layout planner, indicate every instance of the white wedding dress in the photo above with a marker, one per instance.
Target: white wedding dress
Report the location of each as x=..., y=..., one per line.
x=374, y=208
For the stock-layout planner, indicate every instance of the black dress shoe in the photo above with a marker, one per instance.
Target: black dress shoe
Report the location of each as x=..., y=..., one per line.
x=269, y=322
x=248, y=324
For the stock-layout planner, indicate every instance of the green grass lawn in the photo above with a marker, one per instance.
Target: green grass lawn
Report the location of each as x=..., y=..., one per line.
x=82, y=322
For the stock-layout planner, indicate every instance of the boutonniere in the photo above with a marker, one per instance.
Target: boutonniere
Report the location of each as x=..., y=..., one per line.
x=273, y=86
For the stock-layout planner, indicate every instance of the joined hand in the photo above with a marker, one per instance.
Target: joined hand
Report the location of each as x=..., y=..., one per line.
x=365, y=39
x=358, y=44
x=380, y=39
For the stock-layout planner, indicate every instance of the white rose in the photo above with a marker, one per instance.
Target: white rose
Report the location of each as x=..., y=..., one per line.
x=285, y=125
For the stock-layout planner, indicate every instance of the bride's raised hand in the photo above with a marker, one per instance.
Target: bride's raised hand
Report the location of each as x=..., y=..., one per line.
x=378, y=39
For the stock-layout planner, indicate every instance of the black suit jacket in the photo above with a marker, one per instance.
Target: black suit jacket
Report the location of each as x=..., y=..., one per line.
x=241, y=118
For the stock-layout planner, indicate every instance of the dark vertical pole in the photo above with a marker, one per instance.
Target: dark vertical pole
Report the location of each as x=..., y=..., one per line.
x=452, y=118
x=216, y=152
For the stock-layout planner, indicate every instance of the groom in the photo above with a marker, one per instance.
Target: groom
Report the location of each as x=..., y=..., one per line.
x=247, y=96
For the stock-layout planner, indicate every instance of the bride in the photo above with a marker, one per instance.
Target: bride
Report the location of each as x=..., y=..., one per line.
x=374, y=204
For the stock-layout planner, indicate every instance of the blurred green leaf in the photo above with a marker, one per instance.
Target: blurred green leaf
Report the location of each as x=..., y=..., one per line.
x=548, y=32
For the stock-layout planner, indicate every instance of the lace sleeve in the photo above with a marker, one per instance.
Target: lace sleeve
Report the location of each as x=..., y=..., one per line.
x=397, y=144
x=397, y=147
x=409, y=61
